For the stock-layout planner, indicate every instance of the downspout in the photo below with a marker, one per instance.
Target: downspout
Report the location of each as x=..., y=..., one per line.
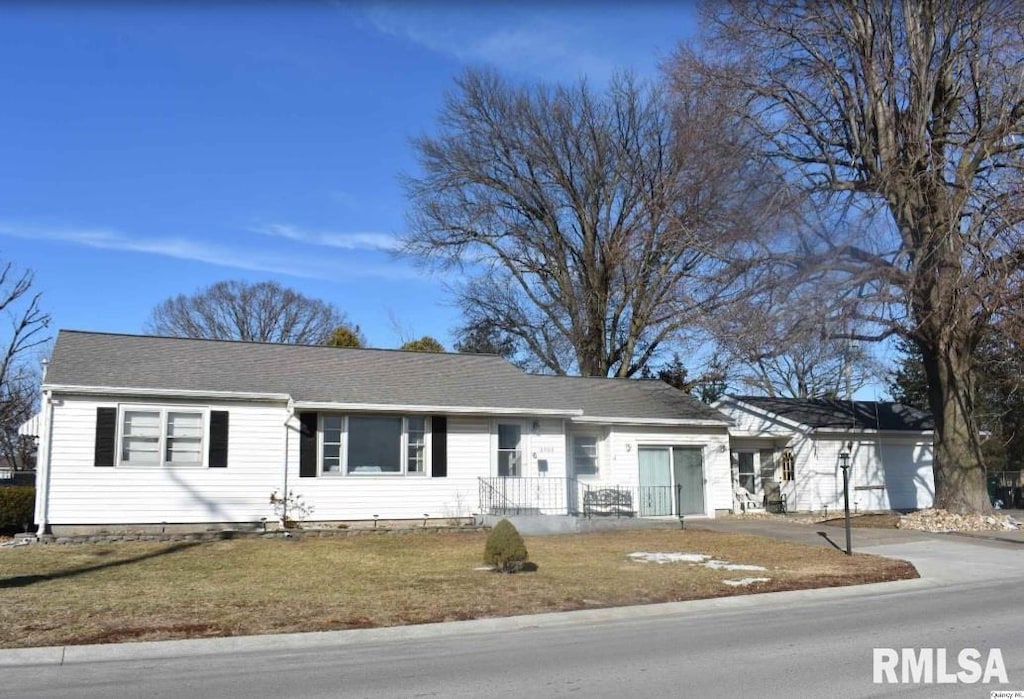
x=43, y=467
x=287, y=445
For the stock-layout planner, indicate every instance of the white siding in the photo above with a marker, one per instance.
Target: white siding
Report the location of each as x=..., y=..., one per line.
x=623, y=467
x=82, y=493
x=359, y=497
x=751, y=423
x=886, y=472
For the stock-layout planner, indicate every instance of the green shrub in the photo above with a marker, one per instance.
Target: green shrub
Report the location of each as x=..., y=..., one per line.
x=505, y=549
x=17, y=506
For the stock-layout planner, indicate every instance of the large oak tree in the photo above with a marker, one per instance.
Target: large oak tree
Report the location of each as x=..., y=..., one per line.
x=910, y=114
x=594, y=225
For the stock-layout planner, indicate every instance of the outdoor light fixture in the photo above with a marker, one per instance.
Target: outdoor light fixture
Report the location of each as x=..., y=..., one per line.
x=844, y=463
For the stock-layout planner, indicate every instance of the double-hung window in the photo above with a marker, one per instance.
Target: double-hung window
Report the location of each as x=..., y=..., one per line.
x=584, y=454
x=373, y=444
x=162, y=437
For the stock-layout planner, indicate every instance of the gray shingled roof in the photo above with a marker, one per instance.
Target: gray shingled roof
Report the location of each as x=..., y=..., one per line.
x=831, y=413
x=342, y=375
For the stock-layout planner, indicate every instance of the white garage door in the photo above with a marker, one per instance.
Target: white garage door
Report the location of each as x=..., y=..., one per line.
x=908, y=474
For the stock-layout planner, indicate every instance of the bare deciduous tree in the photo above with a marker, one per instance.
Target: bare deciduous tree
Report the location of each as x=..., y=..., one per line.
x=238, y=310
x=912, y=112
x=784, y=342
x=597, y=225
x=26, y=326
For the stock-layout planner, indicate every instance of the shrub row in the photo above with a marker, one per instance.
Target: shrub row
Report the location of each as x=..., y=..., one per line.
x=17, y=506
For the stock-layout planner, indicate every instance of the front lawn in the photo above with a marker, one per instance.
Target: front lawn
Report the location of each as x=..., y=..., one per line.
x=106, y=593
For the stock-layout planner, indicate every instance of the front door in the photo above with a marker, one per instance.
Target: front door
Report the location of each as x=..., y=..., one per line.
x=688, y=468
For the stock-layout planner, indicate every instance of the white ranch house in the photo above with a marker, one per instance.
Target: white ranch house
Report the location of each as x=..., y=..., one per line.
x=141, y=431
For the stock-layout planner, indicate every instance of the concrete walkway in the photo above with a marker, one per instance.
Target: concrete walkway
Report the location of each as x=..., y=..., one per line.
x=831, y=535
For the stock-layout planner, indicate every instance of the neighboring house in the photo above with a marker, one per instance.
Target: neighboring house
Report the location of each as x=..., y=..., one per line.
x=139, y=430
x=796, y=444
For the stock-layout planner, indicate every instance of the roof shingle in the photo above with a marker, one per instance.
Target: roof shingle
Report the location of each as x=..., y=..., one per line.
x=353, y=376
x=832, y=413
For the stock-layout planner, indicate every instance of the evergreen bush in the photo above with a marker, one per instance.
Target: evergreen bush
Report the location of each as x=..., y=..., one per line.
x=505, y=549
x=17, y=506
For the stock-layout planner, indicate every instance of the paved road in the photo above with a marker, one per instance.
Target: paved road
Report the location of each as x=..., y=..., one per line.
x=795, y=644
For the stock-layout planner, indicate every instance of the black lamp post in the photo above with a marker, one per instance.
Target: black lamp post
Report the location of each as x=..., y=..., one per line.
x=844, y=463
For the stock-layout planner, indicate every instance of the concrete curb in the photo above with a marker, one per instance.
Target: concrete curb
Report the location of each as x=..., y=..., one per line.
x=150, y=650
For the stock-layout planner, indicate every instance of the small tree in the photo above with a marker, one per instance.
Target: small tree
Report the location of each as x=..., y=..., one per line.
x=346, y=336
x=505, y=549
x=424, y=344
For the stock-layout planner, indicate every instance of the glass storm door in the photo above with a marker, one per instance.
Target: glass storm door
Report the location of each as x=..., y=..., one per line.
x=688, y=468
x=655, y=481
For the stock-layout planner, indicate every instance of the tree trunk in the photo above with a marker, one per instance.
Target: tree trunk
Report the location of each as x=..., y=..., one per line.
x=958, y=465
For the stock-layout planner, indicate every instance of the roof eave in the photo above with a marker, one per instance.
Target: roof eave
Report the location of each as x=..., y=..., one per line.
x=424, y=408
x=667, y=422
x=141, y=392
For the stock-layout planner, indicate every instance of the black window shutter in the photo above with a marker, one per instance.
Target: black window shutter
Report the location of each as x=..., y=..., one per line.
x=106, y=436
x=438, y=446
x=307, y=445
x=218, y=438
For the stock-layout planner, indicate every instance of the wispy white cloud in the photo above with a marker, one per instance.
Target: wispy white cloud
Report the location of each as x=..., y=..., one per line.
x=528, y=41
x=344, y=241
x=223, y=255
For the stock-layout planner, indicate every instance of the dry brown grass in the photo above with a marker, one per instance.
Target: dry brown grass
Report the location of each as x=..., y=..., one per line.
x=105, y=593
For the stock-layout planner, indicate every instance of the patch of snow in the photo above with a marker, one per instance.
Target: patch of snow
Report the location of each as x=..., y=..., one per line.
x=647, y=557
x=726, y=565
x=745, y=581
x=694, y=558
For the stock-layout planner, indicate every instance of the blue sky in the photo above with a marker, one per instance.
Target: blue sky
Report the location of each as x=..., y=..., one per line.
x=149, y=151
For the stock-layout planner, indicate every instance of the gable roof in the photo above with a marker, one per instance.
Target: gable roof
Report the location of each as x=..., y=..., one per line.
x=828, y=413
x=354, y=377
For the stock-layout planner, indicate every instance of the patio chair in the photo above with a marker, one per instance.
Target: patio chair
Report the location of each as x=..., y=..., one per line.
x=747, y=500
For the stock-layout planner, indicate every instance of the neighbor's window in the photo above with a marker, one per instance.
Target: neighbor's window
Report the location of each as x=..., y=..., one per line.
x=788, y=466
x=746, y=471
x=584, y=454
x=367, y=444
x=162, y=438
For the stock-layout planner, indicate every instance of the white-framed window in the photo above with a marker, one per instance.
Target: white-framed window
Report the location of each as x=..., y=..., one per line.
x=584, y=454
x=416, y=444
x=510, y=449
x=332, y=430
x=746, y=475
x=158, y=436
x=358, y=445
